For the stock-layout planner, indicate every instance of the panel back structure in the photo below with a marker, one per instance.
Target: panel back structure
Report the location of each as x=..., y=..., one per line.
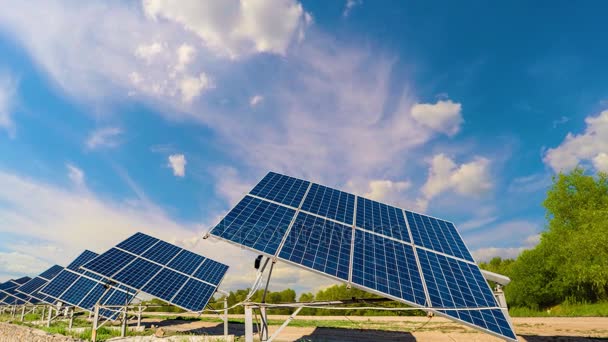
x=392, y=252
x=32, y=287
x=76, y=287
x=8, y=295
x=160, y=269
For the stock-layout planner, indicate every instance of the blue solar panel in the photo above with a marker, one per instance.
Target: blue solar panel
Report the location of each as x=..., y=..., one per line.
x=59, y=284
x=211, y=271
x=331, y=203
x=195, y=294
x=76, y=293
x=382, y=219
x=454, y=284
x=256, y=224
x=283, y=189
x=161, y=269
x=165, y=284
x=137, y=273
x=138, y=243
x=92, y=297
x=437, y=235
x=22, y=280
x=319, y=244
x=51, y=272
x=82, y=259
x=110, y=262
x=387, y=266
x=186, y=262
x=162, y=252
x=32, y=285
x=7, y=285
x=493, y=320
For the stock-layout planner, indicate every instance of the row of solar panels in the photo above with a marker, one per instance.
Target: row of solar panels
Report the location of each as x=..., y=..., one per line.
x=141, y=263
x=413, y=258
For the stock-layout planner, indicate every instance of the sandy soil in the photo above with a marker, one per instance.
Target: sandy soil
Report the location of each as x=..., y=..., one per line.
x=412, y=329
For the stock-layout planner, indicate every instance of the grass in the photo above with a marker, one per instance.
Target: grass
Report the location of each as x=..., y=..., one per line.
x=564, y=310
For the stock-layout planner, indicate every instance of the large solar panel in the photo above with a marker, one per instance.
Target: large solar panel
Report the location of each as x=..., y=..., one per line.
x=77, y=287
x=173, y=274
x=11, y=297
x=409, y=257
x=32, y=287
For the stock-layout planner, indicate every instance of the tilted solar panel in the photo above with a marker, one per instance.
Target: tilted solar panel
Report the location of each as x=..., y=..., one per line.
x=12, y=297
x=77, y=287
x=173, y=274
x=402, y=255
x=32, y=287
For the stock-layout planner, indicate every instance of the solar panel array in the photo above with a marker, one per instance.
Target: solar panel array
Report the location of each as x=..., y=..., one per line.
x=165, y=271
x=77, y=287
x=8, y=295
x=32, y=287
x=399, y=254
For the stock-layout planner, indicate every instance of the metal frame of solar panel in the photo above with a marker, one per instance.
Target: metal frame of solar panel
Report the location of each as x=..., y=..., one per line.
x=32, y=287
x=160, y=269
x=11, y=297
x=395, y=253
x=79, y=288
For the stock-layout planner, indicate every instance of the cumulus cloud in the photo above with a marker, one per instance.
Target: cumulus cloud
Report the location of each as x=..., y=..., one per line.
x=235, y=28
x=8, y=89
x=230, y=185
x=149, y=51
x=75, y=174
x=348, y=7
x=17, y=263
x=191, y=87
x=505, y=239
x=255, y=100
x=468, y=179
x=177, y=162
x=185, y=55
x=444, y=116
x=590, y=146
x=105, y=137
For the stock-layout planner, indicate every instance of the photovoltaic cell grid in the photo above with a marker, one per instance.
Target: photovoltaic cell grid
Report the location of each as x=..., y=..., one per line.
x=77, y=287
x=9, y=296
x=384, y=257
x=32, y=287
x=163, y=270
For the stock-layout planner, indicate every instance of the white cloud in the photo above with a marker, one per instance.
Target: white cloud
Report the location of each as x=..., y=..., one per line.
x=530, y=183
x=348, y=7
x=19, y=263
x=75, y=174
x=107, y=137
x=178, y=162
x=149, y=51
x=468, y=179
x=234, y=28
x=8, y=90
x=230, y=185
x=590, y=146
x=444, y=116
x=475, y=223
x=191, y=87
x=185, y=55
x=487, y=253
x=255, y=100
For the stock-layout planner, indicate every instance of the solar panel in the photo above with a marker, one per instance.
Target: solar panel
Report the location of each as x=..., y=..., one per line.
x=12, y=297
x=173, y=274
x=413, y=258
x=77, y=287
x=32, y=287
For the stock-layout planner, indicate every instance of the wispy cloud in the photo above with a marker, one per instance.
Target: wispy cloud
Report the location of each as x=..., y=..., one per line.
x=75, y=174
x=105, y=137
x=8, y=91
x=349, y=6
x=255, y=100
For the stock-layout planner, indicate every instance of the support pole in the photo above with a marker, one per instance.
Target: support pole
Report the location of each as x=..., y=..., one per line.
x=123, y=327
x=71, y=318
x=248, y=324
x=263, y=315
x=43, y=312
x=49, y=317
x=139, y=316
x=22, y=313
x=95, y=319
x=226, y=318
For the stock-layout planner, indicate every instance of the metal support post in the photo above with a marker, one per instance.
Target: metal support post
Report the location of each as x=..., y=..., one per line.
x=226, y=318
x=248, y=324
x=95, y=321
x=71, y=318
x=50, y=316
x=43, y=312
x=22, y=313
x=139, y=316
x=263, y=315
x=13, y=308
x=123, y=327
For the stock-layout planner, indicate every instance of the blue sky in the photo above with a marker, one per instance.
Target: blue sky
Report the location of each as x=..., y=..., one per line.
x=153, y=116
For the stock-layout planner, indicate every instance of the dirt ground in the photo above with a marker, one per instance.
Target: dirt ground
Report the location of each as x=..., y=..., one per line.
x=378, y=329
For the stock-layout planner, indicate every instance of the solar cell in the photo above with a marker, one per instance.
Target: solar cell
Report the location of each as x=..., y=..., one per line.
x=82, y=259
x=256, y=224
x=51, y=272
x=32, y=285
x=392, y=253
x=387, y=266
x=331, y=203
x=160, y=269
x=319, y=244
x=76, y=293
x=283, y=189
x=437, y=235
x=59, y=284
x=382, y=219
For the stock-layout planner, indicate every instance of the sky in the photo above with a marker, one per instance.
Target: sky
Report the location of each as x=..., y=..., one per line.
x=158, y=116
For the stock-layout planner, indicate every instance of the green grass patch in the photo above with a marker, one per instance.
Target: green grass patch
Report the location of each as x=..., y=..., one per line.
x=564, y=310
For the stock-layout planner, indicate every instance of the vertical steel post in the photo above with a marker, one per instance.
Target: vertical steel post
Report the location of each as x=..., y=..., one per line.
x=95, y=319
x=248, y=324
x=123, y=327
x=43, y=312
x=139, y=316
x=22, y=313
x=50, y=315
x=71, y=318
x=226, y=318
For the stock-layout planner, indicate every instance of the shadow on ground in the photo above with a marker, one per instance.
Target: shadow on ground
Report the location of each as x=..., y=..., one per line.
x=342, y=334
